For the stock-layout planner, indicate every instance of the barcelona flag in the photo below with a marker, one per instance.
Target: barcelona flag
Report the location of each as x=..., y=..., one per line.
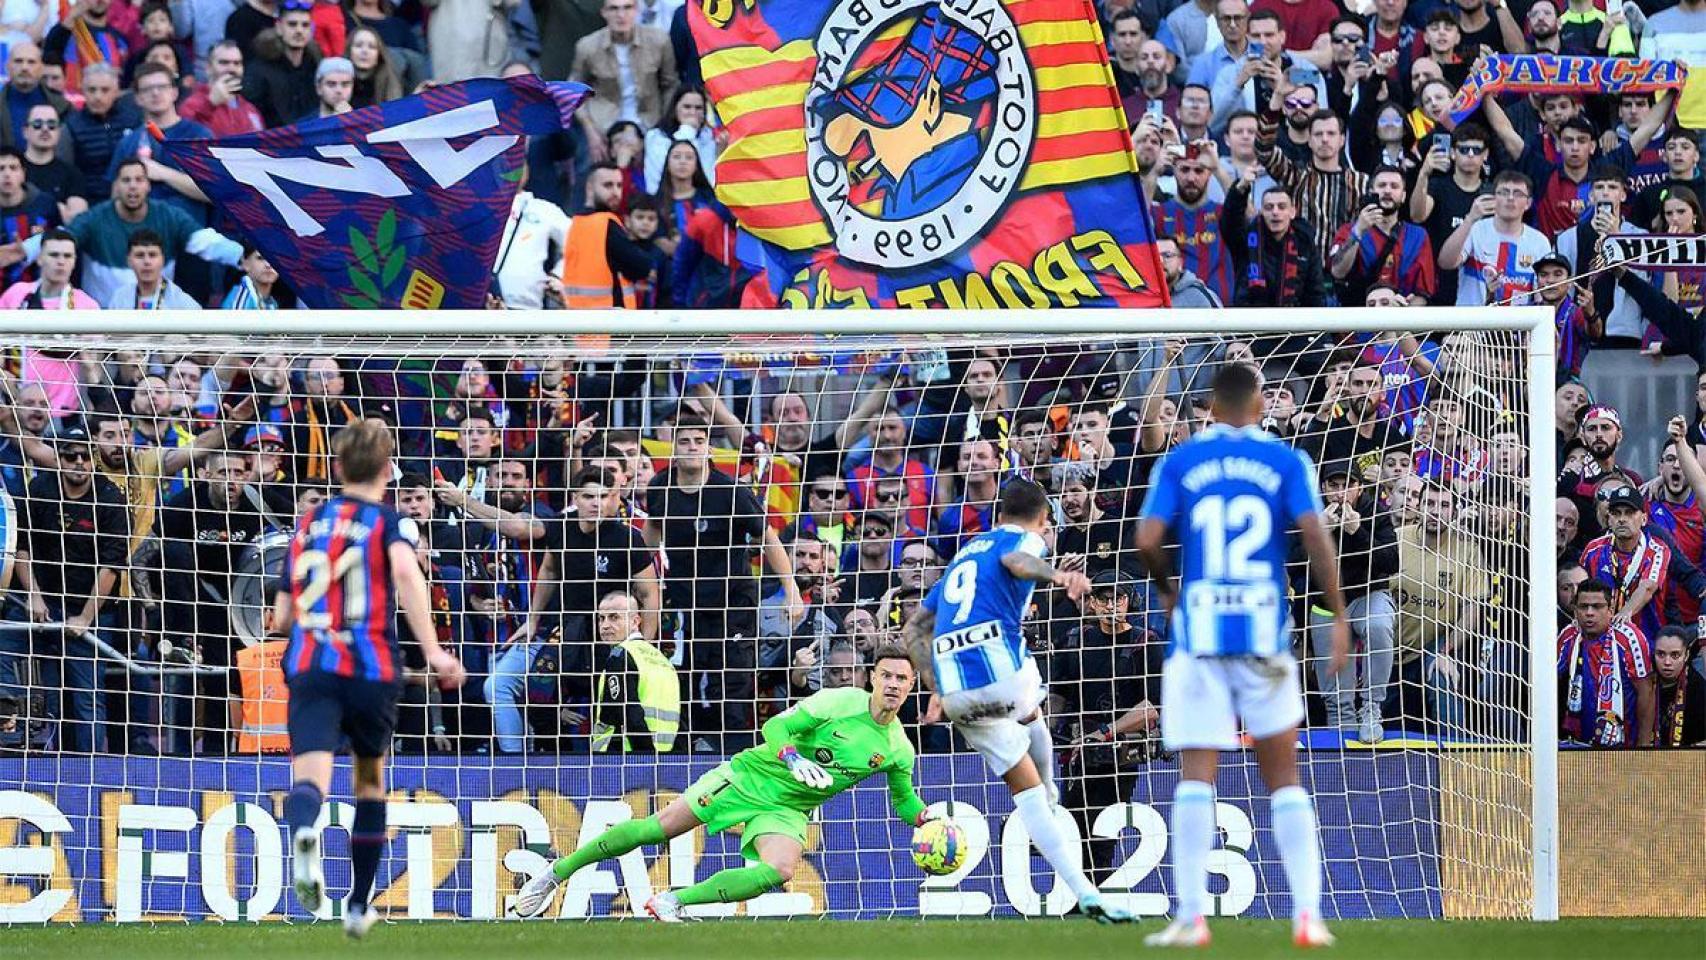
x=914, y=153
x=399, y=204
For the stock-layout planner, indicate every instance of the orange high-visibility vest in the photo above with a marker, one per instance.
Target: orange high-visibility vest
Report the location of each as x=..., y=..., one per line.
x=266, y=699
x=588, y=281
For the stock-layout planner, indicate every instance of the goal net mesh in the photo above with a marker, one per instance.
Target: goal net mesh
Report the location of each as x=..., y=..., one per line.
x=143, y=760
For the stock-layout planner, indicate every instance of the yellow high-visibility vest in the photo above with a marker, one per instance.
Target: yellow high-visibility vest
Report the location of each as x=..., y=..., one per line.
x=660, y=698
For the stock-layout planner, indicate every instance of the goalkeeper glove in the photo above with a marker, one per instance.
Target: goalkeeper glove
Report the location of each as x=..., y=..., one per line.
x=804, y=770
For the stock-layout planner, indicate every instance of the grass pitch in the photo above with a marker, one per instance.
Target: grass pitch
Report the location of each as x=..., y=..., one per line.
x=1067, y=939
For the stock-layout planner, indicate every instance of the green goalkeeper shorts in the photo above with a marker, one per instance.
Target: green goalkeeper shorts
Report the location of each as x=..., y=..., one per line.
x=721, y=799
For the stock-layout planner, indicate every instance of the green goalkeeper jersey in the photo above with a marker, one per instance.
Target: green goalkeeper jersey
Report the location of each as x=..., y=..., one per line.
x=834, y=729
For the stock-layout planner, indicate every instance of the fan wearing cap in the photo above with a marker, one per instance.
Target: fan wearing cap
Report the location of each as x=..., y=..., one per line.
x=269, y=463
x=73, y=538
x=1577, y=323
x=1104, y=685
x=1636, y=564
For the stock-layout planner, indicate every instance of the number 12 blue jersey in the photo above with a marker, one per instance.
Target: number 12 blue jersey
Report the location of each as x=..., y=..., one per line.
x=978, y=607
x=1229, y=495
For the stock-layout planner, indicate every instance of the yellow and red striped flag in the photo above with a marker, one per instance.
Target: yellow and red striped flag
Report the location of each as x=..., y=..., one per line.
x=917, y=153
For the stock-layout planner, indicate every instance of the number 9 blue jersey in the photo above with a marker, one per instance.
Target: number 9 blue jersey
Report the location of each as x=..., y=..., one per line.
x=978, y=607
x=1229, y=495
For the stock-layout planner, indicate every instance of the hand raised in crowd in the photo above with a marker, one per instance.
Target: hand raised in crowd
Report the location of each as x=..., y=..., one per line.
x=585, y=430
x=1074, y=582
x=1439, y=159
x=1370, y=217
x=1482, y=208
x=1172, y=349
x=806, y=657
x=1606, y=220
x=449, y=493
x=1356, y=73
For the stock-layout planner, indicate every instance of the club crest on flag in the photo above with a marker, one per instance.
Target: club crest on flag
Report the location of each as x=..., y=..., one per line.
x=926, y=153
x=914, y=146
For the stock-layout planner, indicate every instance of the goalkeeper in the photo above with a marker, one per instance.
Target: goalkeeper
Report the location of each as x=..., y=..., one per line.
x=811, y=752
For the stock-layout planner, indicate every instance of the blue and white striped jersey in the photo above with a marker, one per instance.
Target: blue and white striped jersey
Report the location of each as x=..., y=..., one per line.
x=978, y=607
x=1229, y=495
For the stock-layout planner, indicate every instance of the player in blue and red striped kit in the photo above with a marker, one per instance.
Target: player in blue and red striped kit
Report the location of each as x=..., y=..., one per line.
x=350, y=563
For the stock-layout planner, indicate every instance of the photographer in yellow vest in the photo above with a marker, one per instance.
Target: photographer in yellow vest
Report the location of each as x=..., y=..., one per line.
x=636, y=698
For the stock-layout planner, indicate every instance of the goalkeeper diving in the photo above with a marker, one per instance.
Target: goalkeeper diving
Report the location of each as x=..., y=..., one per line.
x=821, y=746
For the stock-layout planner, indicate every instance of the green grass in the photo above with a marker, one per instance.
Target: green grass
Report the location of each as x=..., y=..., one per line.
x=892, y=940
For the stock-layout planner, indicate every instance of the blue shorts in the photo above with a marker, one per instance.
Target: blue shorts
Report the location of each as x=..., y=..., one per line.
x=325, y=709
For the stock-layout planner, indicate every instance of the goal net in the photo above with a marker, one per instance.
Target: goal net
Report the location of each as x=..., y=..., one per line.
x=646, y=544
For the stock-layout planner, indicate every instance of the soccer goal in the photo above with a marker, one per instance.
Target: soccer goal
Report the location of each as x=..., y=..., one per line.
x=548, y=462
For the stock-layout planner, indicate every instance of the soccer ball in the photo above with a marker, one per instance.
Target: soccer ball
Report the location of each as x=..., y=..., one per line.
x=939, y=847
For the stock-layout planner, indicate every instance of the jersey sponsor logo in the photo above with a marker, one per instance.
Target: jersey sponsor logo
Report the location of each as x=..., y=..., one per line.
x=950, y=643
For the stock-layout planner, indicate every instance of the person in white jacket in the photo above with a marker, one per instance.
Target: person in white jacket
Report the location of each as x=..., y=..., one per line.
x=531, y=246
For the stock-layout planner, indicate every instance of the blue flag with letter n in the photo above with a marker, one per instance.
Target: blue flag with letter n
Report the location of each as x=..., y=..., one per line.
x=400, y=204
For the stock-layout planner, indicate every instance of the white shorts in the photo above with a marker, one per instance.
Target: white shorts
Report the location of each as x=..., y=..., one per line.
x=1203, y=698
x=991, y=718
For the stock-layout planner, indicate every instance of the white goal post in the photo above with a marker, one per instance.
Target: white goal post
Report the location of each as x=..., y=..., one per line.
x=1458, y=801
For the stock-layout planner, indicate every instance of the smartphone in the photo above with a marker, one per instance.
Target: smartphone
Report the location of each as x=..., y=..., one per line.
x=1193, y=150
x=1606, y=209
x=1154, y=111
x=1365, y=53
x=1442, y=141
x=1255, y=50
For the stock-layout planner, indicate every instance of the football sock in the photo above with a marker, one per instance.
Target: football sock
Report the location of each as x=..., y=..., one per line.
x=614, y=842
x=302, y=806
x=1042, y=754
x=1037, y=814
x=1193, y=838
x=366, y=843
x=1299, y=847
x=732, y=885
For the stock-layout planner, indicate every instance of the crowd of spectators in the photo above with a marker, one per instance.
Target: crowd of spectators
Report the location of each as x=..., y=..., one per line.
x=1250, y=130
x=762, y=536
x=1250, y=124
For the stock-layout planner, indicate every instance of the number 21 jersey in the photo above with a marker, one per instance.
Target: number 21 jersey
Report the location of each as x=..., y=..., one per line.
x=978, y=607
x=1229, y=495
x=338, y=573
